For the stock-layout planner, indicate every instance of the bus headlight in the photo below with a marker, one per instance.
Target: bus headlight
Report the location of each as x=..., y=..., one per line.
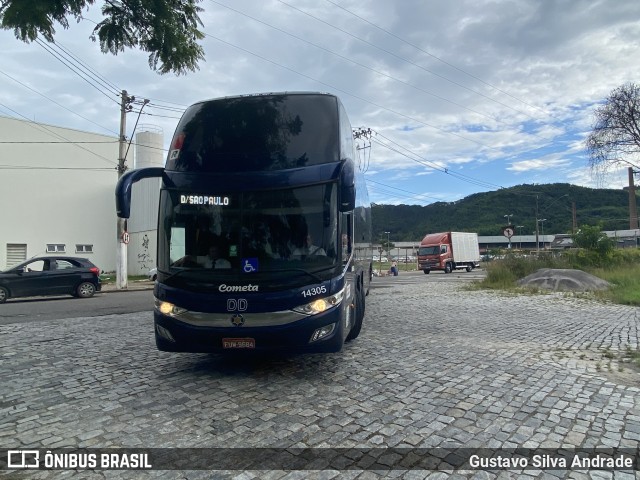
x=320, y=305
x=167, y=308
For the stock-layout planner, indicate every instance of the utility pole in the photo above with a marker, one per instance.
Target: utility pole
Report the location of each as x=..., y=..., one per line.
x=365, y=134
x=121, y=228
x=633, y=211
x=537, y=236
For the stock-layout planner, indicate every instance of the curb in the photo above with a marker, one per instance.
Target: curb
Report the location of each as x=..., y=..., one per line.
x=137, y=286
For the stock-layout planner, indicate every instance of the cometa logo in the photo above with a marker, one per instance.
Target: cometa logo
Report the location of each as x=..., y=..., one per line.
x=237, y=288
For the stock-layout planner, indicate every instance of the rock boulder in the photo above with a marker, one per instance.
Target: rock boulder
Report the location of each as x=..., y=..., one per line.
x=561, y=279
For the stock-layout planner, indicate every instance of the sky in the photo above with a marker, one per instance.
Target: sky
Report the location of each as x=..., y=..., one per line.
x=461, y=96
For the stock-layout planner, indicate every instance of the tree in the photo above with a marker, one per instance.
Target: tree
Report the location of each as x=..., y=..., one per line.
x=615, y=137
x=593, y=239
x=167, y=29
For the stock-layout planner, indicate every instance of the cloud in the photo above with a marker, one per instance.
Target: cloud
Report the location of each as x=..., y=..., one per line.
x=538, y=164
x=492, y=93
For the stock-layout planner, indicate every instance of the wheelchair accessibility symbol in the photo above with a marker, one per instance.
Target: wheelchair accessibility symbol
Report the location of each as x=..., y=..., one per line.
x=249, y=265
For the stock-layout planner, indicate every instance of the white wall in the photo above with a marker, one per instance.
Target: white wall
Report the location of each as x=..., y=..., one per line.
x=57, y=186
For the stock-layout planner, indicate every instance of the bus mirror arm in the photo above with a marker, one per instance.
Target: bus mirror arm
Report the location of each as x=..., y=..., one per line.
x=347, y=187
x=125, y=183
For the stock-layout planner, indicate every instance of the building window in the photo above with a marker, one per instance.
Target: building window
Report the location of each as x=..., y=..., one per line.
x=84, y=248
x=55, y=248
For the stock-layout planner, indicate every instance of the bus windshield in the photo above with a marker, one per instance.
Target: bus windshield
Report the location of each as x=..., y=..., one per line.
x=260, y=133
x=209, y=237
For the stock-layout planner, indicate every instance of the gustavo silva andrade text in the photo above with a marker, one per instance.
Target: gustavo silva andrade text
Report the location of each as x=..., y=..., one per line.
x=551, y=461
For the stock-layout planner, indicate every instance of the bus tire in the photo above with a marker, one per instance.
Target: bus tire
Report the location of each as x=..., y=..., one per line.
x=359, y=314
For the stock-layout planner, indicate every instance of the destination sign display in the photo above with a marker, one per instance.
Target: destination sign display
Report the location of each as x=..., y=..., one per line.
x=204, y=200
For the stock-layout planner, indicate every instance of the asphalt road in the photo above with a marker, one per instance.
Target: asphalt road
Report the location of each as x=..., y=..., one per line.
x=30, y=309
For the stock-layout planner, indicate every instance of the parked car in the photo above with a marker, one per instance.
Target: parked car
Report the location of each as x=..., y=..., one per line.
x=50, y=275
x=153, y=274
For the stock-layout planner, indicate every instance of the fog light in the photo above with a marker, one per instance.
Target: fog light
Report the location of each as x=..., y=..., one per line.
x=164, y=333
x=322, y=332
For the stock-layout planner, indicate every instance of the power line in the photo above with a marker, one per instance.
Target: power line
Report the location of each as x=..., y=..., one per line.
x=159, y=116
x=45, y=129
x=57, y=103
x=22, y=167
x=103, y=80
x=75, y=69
x=406, y=60
x=413, y=194
x=353, y=95
x=418, y=159
x=438, y=58
x=354, y=62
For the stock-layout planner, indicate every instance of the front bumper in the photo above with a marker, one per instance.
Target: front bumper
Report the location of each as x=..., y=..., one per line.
x=206, y=336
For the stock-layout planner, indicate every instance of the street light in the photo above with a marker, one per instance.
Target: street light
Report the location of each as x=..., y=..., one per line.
x=520, y=227
x=388, y=249
x=542, y=220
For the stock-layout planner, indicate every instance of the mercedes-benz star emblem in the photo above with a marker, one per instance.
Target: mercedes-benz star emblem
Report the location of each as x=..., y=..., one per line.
x=237, y=320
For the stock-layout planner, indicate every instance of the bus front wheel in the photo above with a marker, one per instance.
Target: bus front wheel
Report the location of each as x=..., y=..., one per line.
x=359, y=314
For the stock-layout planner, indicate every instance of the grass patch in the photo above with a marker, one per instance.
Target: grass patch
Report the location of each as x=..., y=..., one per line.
x=633, y=356
x=625, y=281
x=608, y=354
x=621, y=269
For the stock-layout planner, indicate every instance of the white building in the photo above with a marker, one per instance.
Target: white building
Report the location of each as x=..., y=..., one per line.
x=57, y=191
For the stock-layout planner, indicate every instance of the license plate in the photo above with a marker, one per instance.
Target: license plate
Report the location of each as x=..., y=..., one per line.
x=238, y=343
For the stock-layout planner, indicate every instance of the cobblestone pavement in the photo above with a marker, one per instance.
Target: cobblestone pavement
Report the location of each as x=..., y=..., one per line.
x=436, y=365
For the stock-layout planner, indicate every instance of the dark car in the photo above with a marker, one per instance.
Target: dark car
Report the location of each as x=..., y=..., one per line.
x=50, y=276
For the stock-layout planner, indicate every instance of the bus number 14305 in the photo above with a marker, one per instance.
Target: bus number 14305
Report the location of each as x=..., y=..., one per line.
x=310, y=292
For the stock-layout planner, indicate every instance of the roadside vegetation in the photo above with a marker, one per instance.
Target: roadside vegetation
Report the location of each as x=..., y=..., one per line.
x=619, y=267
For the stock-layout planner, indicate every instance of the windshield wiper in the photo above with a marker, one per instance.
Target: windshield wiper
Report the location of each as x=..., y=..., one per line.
x=302, y=270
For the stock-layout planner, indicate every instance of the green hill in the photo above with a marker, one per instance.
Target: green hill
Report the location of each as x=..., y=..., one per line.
x=484, y=212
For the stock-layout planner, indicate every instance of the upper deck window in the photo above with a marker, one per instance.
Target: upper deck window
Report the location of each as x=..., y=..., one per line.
x=256, y=133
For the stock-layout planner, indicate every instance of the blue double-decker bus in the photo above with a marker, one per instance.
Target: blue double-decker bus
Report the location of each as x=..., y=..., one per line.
x=264, y=227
